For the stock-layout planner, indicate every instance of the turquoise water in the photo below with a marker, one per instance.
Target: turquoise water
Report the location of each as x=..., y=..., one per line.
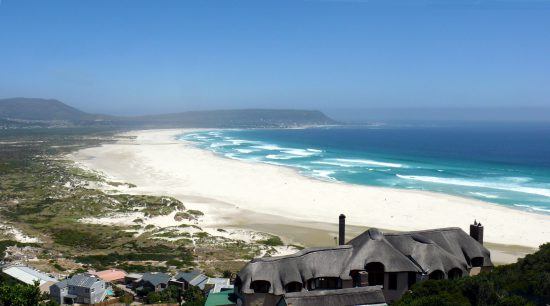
x=507, y=165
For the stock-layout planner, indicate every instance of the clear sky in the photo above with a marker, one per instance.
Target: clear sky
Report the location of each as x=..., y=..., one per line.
x=138, y=56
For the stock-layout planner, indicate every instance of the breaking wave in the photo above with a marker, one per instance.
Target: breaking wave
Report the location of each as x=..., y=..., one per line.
x=481, y=184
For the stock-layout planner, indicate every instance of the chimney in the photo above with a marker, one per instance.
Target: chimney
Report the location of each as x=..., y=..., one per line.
x=476, y=231
x=342, y=230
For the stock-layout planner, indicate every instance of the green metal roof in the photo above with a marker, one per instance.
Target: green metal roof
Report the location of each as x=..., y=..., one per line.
x=219, y=299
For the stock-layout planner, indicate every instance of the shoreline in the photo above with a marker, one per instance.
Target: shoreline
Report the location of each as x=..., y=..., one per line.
x=159, y=164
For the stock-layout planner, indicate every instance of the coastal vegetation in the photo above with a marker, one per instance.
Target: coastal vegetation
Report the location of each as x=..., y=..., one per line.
x=56, y=207
x=526, y=282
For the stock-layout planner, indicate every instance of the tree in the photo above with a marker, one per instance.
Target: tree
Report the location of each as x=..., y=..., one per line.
x=172, y=294
x=21, y=295
x=193, y=297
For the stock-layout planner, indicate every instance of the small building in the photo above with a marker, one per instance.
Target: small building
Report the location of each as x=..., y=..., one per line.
x=368, y=296
x=111, y=275
x=29, y=276
x=216, y=285
x=195, y=278
x=185, y=280
x=81, y=289
x=152, y=282
x=222, y=298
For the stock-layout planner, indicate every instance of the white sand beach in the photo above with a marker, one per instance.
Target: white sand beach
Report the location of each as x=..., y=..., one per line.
x=237, y=193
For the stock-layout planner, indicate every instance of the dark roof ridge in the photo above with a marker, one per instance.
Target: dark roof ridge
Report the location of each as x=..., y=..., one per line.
x=444, y=229
x=342, y=291
x=303, y=253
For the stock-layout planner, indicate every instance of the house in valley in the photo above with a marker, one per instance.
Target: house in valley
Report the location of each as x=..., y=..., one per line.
x=184, y=280
x=195, y=278
x=81, y=289
x=392, y=261
x=111, y=275
x=151, y=282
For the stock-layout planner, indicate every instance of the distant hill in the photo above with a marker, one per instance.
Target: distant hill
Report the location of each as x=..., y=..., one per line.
x=39, y=109
x=21, y=112
x=234, y=118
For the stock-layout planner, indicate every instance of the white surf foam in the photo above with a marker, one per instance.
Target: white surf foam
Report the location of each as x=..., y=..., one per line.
x=245, y=151
x=220, y=144
x=324, y=174
x=535, y=208
x=281, y=156
x=239, y=142
x=314, y=150
x=349, y=163
x=299, y=152
x=268, y=147
x=474, y=183
x=485, y=195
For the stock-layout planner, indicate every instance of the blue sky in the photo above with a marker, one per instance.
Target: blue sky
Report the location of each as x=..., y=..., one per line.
x=134, y=57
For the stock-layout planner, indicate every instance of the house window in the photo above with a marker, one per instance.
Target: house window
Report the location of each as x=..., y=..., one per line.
x=455, y=273
x=437, y=274
x=411, y=279
x=477, y=262
x=293, y=287
x=93, y=289
x=376, y=273
x=322, y=283
x=392, y=281
x=260, y=286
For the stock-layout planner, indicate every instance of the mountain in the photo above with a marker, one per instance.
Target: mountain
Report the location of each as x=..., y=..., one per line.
x=39, y=109
x=18, y=112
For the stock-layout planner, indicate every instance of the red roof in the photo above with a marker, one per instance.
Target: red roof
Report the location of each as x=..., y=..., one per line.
x=110, y=275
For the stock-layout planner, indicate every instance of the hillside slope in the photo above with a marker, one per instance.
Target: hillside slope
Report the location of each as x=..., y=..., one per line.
x=39, y=109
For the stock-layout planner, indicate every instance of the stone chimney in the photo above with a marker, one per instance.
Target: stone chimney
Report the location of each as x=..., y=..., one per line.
x=342, y=230
x=476, y=231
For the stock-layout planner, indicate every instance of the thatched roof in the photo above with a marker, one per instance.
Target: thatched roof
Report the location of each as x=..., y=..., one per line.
x=422, y=252
x=350, y=296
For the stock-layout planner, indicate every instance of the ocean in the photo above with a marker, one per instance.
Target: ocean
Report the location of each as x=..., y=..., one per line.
x=507, y=165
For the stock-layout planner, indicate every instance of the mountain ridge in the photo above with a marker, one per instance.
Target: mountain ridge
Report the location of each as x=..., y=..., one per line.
x=52, y=112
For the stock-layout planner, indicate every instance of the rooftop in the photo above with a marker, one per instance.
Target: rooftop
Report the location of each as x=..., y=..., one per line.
x=28, y=275
x=156, y=278
x=419, y=251
x=110, y=275
x=370, y=295
x=219, y=299
x=79, y=280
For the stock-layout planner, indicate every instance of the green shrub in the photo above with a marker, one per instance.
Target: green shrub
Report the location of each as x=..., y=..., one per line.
x=195, y=212
x=272, y=241
x=526, y=282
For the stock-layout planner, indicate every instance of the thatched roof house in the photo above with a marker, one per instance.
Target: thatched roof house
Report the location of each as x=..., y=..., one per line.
x=394, y=261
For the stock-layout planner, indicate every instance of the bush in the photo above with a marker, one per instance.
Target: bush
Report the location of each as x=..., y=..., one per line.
x=172, y=294
x=195, y=212
x=272, y=241
x=526, y=282
x=158, y=253
x=58, y=267
x=21, y=295
x=193, y=297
